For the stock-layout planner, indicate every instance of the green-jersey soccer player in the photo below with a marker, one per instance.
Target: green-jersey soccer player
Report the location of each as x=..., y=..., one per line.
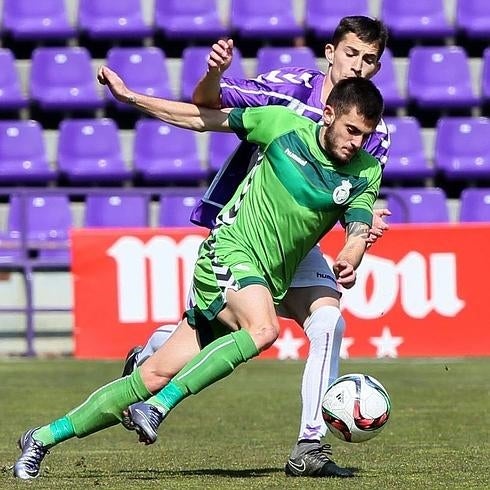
x=308, y=178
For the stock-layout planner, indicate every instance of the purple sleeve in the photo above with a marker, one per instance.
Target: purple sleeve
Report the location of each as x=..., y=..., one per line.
x=378, y=144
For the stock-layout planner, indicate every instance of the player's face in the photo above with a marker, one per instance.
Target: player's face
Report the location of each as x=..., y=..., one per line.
x=352, y=58
x=344, y=135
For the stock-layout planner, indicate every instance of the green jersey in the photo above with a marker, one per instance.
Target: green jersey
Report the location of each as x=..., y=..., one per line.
x=295, y=194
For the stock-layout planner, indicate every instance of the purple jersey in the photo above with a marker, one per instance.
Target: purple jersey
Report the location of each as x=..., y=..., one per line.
x=297, y=88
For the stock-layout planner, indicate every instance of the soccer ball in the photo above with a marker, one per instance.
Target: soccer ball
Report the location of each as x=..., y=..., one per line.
x=356, y=407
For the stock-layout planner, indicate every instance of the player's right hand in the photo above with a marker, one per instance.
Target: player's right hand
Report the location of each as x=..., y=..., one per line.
x=221, y=56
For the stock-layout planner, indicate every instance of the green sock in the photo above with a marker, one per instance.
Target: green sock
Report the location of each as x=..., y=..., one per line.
x=216, y=361
x=103, y=408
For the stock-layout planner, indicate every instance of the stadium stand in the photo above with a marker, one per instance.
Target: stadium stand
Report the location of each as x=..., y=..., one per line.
x=112, y=20
x=473, y=18
x=475, y=205
x=164, y=153
x=89, y=152
x=321, y=18
x=176, y=206
x=386, y=81
x=221, y=146
x=198, y=19
x=417, y=205
x=273, y=57
x=116, y=210
x=462, y=148
x=11, y=96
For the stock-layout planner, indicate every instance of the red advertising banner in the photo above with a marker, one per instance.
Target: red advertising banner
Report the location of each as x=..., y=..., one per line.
x=420, y=291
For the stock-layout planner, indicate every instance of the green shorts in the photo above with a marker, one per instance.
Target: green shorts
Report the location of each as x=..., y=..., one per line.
x=213, y=276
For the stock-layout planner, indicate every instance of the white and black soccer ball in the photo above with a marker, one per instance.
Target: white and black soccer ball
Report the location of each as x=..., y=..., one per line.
x=356, y=407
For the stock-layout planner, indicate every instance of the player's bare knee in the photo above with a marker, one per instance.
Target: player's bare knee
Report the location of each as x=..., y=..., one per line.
x=152, y=378
x=264, y=335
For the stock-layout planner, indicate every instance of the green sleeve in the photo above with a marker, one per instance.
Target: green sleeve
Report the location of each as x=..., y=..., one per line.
x=261, y=125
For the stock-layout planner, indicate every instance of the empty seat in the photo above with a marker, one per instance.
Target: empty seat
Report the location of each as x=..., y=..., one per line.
x=417, y=205
x=387, y=83
x=112, y=19
x=406, y=159
x=176, y=207
x=439, y=77
x=89, y=151
x=47, y=220
x=221, y=146
x=23, y=154
x=271, y=58
x=194, y=66
x=166, y=154
x=416, y=18
x=116, y=210
x=184, y=20
x=35, y=21
x=259, y=19
x=63, y=79
x=11, y=96
x=322, y=17
x=475, y=205
x=462, y=147
x=144, y=70
x=473, y=18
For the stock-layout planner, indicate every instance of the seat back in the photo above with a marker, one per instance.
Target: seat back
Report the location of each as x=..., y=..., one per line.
x=439, y=77
x=462, y=147
x=387, y=83
x=221, y=146
x=11, y=96
x=417, y=205
x=271, y=58
x=116, y=210
x=473, y=17
x=176, y=207
x=475, y=205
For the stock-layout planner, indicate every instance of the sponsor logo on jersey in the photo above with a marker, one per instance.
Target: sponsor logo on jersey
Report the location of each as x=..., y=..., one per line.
x=295, y=157
x=342, y=192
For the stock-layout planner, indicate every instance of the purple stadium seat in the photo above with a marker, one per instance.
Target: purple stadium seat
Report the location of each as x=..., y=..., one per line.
x=176, y=206
x=184, y=20
x=23, y=154
x=462, y=147
x=48, y=220
x=116, y=210
x=221, y=146
x=271, y=58
x=194, y=66
x=323, y=17
x=417, y=205
x=35, y=21
x=485, y=81
x=260, y=19
x=416, y=18
x=144, y=70
x=473, y=18
x=165, y=153
x=112, y=19
x=11, y=96
x=439, y=77
x=89, y=151
x=475, y=205
x=387, y=83
x=407, y=160
x=63, y=79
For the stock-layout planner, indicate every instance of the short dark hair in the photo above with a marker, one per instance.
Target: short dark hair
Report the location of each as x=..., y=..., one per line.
x=367, y=29
x=359, y=93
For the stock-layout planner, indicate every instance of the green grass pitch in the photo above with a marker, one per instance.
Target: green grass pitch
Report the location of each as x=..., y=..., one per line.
x=238, y=433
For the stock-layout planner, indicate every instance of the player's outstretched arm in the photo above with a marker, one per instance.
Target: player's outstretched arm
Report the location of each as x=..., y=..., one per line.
x=180, y=114
x=351, y=255
x=207, y=90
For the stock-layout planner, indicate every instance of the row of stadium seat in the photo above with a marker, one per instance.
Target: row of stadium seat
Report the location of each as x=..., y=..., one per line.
x=62, y=78
x=176, y=19
x=49, y=217
x=89, y=151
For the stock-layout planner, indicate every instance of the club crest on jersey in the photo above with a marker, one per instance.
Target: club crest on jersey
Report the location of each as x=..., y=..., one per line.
x=342, y=192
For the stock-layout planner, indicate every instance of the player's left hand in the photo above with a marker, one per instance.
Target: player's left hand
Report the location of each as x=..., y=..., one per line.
x=379, y=225
x=118, y=88
x=345, y=273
